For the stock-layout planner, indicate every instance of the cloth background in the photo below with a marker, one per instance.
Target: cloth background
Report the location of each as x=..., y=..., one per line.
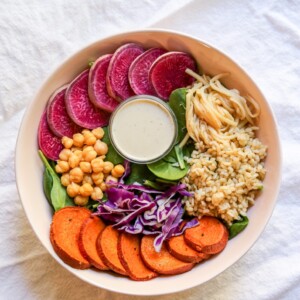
x=262, y=36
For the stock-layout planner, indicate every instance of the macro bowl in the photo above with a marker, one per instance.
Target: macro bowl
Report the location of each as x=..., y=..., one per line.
x=29, y=168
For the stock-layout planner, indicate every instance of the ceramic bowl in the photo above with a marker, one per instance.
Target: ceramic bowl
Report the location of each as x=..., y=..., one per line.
x=29, y=168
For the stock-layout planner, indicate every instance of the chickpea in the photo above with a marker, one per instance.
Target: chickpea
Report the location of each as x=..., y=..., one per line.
x=98, y=133
x=103, y=186
x=73, y=189
x=65, y=179
x=87, y=179
x=85, y=167
x=98, y=178
x=85, y=131
x=74, y=161
x=65, y=154
x=67, y=142
x=117, y=171
x=100, y=147
x=85, y=190
x=110, y=180
x=81, y=200
x=107, y=167
x=62, y=166
x=97, y=165
x=76, y=175
x=78, y=140
x=89, y=155
x=97, y=194
x=89, y=139
x=78, y=153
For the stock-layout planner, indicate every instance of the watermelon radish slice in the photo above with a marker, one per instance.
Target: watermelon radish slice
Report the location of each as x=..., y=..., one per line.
x=58, y=119
x=48, y=142
x=167, y=72
x=139, y=71
x=97, y=84
x=80, y=108
x=117, y=82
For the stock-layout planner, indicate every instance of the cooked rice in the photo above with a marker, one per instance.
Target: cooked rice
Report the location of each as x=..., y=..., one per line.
x=226, y=176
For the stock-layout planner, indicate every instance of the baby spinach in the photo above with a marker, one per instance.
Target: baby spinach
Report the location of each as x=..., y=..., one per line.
x=112, y=155
x=177, y=103
x=55, y=193
x=139, y=173
x=238, y=227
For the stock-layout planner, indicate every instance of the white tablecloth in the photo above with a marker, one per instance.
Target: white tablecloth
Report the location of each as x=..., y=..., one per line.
x=262, y=36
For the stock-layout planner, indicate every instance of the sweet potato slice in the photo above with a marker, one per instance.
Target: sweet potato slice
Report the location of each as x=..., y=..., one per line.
x=130, y=257
x=64, y=235
x=162, y=262
x=107, y=247
x=181, y=250
x=209, y=237
x=89, y=232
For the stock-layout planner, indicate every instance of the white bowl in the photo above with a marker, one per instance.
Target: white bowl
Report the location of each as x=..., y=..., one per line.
x=29, y=167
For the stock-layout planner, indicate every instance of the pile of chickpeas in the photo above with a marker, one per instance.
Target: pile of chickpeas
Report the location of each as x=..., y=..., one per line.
x=84, y=171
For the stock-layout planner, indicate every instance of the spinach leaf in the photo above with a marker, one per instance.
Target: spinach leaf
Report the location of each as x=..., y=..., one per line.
x=166, y=170
x=112, y=155
x=238, y=227
x=154, y=185
x=179, y=156
x=47, y=185
x=177, y=103
x=53, y=188
x=139, y=173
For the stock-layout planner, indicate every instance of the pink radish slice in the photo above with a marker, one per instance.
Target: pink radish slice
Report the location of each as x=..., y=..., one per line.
x=97, y=84
x=48, y=142
x=80, y=108
x=138, y=74
x=117, y=82
x=167, y=73
x=58, y=119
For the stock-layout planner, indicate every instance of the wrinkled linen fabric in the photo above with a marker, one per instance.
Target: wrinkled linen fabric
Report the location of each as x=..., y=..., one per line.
x=262, y=36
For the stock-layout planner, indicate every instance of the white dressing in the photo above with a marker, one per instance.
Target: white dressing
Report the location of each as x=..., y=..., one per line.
x=143, y=129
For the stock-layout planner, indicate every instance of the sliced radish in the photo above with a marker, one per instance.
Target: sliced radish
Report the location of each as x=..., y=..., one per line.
x=97, y=85
x=80, y=108
x=48, y=142
x=117, y=82
x=58, y=119
x=139, y=71
x=167, y=72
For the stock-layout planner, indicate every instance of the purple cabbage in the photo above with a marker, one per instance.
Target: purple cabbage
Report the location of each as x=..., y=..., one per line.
x=136, y=209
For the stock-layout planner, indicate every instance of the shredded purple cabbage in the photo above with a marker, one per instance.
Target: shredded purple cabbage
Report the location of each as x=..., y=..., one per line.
x=136, y=209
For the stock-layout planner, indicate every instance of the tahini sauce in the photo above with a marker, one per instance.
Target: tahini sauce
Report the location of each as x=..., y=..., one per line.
x=142, y=130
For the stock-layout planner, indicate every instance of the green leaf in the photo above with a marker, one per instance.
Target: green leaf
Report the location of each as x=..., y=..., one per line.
x=154, y=185
x=58, y=195
x=139, y=173
x=165, y=170
x=47, y=185
x=179, y=156
x=112, y=155
x=177, y=102
x=238, y=227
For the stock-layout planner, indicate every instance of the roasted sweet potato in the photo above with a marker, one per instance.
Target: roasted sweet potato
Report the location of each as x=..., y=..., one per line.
x=130, y=257
x=209, y=237
x=181, y=250
x=89, y=231
x=162, y=262
x=107, y=247
x=64, y=235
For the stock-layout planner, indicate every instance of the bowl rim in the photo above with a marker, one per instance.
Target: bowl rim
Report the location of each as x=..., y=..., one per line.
x=26, y=116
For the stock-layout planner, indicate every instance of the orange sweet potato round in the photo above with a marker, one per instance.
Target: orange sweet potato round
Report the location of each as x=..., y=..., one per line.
x=162, y=262
x=130, y=257
x=209, y=237
x=107, y=247
x=181, y=250
x=89, y=232
x=64, y=235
